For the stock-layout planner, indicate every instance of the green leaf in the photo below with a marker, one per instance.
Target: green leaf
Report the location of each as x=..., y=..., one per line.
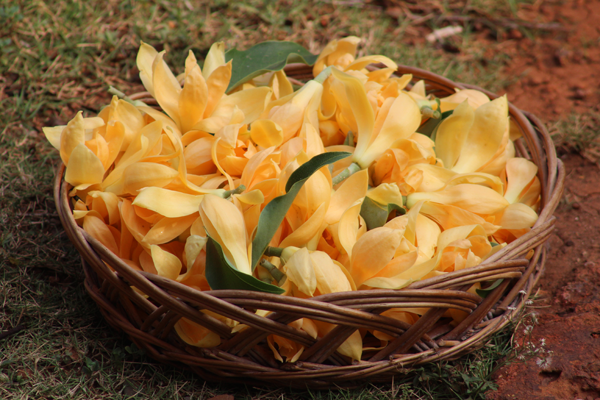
x=265, y=57
x=484, y=292
x=376, y=214
x=220, y=274
x=273, y=214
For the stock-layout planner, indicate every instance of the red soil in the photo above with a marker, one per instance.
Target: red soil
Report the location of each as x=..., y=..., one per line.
x=563, y=75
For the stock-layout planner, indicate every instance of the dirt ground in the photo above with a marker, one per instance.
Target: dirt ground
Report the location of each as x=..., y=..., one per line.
x=563, y=75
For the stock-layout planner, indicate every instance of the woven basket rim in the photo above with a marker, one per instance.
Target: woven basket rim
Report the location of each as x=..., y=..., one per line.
x=439, y=292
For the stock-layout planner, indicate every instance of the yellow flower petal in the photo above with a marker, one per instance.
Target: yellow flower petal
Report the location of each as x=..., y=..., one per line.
x=84, y=168
x=516, y=216
x=372, y=252
x=428, y=233
x=266, y=133
x=452, y=133
x=129, y=116
x=302, y=235
x=193, y=246
x=168, y=229
x=194, y=95
x=144, y=175
x=477, y=199
x=367, y=60
x=361, y=109
x=475, y=98
x=519, y=174
x=386, y=278
x=196, y=335
x=330, y=278
x=299, y=270
x=352, y=189
x=348, y=228
x=214, y=59
x=334, y=51
x=145, y=58
x=166, y=264
x=101, y=232
x=485, y=136
x=72, y=136
x=402, y=121
x=169, y=203
x=224, y=222
x=106, y=204
x=451, y=217
x=217, y=84
x=166, y=88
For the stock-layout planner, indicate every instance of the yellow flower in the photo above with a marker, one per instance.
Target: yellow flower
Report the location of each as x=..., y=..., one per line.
x=201, y=103
x=469, y=140
x=398, y=118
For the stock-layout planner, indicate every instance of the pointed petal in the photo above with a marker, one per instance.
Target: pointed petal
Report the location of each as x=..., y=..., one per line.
x=485, y=136
x=266, y=133
x=428, y=233
x=169, y=203
x=351, y=190
x=402, y=121
x=166, y=87
x=451, y=217
x=72, y=136
x=372, y=252
x=166, y=264
x=84, y=167
x=519, y=174
x=129, y=116
x=307, y=230
x=144, y=175
x=348, y=228
x=475, y=98
x=214, y=59
x=168, y=229
x=217, y=84
x=224, y=222
x=330, y=278
x=367, y=60
x=477, y=199
x=516, y=216
x=452, y=133
x=145, y=58
x=194, y=95
x=361, y=108
x=299, y=270
x=99, y=231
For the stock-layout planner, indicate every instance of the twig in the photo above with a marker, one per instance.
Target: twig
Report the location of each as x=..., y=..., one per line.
x=504, y=22
x=12, y=331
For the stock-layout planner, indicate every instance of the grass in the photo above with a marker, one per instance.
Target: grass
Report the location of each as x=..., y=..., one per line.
x=579, y=133
x=57, y=57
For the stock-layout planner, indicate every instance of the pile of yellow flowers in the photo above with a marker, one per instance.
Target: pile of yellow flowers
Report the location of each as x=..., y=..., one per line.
x=350, y=182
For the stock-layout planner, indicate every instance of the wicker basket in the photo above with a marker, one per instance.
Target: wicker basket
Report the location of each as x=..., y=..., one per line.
x=244, y=357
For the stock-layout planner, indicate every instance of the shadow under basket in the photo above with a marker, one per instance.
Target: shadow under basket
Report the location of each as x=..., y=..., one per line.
x=244, y=356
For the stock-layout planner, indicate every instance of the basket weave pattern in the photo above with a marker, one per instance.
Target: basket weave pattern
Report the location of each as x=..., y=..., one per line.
x=244, y=356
